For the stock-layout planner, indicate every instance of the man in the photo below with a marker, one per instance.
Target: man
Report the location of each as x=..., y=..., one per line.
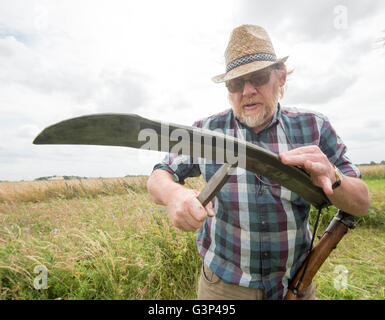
x=257, y=235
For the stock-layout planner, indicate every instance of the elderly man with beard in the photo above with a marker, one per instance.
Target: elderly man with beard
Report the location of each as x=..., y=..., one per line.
x=257, y=235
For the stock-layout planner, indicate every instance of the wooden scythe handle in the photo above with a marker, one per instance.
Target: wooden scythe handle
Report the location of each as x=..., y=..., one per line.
x=215, y=184
x=336, y=230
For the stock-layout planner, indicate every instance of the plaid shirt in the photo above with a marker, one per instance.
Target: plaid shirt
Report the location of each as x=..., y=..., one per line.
x=260, y=234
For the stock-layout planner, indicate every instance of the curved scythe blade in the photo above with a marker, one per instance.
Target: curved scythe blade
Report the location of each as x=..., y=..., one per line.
x=131, y=130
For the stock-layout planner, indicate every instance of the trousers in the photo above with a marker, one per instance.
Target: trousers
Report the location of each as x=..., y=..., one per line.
x=211, y=287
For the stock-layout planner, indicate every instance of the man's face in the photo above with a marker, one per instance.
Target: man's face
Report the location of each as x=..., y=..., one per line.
x=255, y=103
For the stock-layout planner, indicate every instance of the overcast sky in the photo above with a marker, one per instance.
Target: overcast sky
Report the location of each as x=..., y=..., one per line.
x=62, y=59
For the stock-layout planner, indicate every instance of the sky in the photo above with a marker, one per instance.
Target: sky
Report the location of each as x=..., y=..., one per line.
x=63, y=59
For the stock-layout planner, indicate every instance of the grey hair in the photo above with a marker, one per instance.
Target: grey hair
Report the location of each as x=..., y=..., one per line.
x=281, y=67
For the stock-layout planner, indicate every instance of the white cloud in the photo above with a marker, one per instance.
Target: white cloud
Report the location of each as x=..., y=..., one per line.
x=61, y=59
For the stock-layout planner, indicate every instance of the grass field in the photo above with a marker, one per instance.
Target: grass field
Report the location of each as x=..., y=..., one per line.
x=105, y=239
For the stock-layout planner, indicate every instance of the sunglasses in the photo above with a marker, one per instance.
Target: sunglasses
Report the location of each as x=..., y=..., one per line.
x=258, y=79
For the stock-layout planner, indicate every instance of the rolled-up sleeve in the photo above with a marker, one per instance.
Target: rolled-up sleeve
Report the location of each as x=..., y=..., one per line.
x=180, y=166
x=335, y=149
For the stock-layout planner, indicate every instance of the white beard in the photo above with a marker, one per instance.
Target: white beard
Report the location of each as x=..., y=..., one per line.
x=256, y=120
x=251, y=121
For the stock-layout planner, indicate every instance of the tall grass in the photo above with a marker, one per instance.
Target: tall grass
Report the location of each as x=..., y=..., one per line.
x=112, y=247
x=105, y=239
x=35, y=191
x=373, y=172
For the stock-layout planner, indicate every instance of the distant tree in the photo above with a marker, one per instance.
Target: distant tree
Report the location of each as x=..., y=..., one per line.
x=372, y=163
x=42, y=178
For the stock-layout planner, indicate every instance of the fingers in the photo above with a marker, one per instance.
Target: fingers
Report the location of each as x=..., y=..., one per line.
x=326, y=185
x=319, y=175
x=209, y=209
x=297, y=157
x=304, y=150
x=311, y=158
x=315, y=162
x=187, y=213
x=196, y=213
x=316, y=168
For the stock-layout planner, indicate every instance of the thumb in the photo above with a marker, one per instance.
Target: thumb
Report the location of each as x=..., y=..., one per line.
x=327, y=186
x=209, y=209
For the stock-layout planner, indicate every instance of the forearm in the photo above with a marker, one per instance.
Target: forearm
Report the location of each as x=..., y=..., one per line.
x=161, y=186
x=351, y=196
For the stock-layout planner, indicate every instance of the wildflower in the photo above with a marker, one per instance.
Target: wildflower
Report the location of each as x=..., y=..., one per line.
x=143, y=211
x=55, y=231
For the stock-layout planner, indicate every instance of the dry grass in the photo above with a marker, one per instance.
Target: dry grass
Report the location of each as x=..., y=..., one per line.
x=105, y=239
x=373, y=172
x=108, y=247
x=34, y=191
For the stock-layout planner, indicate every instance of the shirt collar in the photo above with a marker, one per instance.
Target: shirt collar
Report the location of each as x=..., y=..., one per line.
x=276, y=117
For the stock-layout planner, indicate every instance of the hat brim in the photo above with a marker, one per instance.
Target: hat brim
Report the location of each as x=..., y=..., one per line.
x=246, y=69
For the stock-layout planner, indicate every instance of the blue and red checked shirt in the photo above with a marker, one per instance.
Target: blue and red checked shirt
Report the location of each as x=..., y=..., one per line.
x=260, y=234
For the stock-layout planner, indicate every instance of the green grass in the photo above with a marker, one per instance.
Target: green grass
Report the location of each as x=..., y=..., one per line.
x=376, y=184
x=362, y=254
x=117, y=244
x=107, y=247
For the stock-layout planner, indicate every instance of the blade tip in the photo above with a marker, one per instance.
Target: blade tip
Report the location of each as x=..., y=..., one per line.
x=37, y=140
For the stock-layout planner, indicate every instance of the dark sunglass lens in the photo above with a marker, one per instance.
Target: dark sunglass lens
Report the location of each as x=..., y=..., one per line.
x=256, y=80
x=260, y=79
x=234, y=85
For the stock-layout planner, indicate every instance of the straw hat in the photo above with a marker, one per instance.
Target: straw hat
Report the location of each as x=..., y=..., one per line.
x=249, y=50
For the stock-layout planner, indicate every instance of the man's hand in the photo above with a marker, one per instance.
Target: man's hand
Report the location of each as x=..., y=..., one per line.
x=315, y=162
x=185, y=210
x=352, y=196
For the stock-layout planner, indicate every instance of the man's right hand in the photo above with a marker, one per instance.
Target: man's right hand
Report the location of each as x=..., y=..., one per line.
x=185, y=210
